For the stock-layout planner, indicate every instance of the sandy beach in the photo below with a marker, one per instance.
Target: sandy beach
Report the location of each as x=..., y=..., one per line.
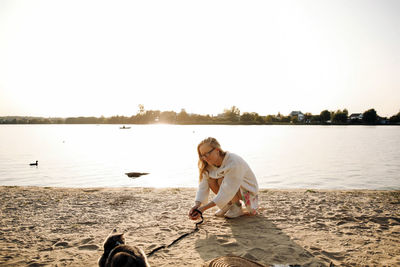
x=67, y=227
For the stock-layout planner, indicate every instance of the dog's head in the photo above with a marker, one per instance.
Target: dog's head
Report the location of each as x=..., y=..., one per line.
x=114, y=239
x=116, y=253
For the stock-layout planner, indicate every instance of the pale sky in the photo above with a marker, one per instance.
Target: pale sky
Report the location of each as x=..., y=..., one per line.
x=93, y=58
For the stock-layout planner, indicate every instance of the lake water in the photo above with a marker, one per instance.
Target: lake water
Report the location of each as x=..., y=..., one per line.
x=320, y=157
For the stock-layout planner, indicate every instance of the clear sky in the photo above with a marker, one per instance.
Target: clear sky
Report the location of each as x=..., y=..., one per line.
x=93, y=58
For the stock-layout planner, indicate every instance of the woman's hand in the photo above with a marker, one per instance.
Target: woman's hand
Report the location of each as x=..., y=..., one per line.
x=193, y=214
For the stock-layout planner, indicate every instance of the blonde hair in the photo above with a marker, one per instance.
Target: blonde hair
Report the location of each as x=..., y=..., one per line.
x=202, y=164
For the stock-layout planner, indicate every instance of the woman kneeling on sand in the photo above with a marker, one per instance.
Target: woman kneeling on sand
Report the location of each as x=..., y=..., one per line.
x=229, y=177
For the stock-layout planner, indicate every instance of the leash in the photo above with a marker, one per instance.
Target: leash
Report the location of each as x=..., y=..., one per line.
x=179, y=238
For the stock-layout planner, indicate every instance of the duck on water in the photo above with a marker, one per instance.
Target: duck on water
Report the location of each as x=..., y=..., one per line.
x=124, y=127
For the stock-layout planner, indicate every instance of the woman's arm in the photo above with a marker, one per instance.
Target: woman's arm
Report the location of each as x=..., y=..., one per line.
x=209, y=205
x=203, y=190
x=195, y=215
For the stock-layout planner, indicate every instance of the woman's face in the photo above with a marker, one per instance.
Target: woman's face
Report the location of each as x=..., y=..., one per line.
x=209, y=154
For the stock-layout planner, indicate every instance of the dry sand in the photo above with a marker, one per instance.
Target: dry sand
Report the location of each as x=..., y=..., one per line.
x=66, y=227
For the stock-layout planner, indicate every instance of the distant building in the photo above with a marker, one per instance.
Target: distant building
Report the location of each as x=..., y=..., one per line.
x=298, y=114
x=356, y=117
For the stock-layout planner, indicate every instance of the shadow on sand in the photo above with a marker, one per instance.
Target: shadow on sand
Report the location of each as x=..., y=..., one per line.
x=254, y=238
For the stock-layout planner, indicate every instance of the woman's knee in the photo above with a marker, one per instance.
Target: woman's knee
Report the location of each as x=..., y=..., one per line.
x=215, y=184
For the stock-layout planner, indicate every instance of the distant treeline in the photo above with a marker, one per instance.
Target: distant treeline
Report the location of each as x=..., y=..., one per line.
x=229, y=116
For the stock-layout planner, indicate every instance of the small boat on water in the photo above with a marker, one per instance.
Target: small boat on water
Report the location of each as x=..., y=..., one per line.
x=34, y=164
x=124, y=127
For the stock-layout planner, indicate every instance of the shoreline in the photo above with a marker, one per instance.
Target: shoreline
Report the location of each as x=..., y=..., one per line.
x=262, y=189
x=55, y=226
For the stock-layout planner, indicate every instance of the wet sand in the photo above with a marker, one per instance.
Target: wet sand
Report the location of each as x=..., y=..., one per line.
x=66, y=227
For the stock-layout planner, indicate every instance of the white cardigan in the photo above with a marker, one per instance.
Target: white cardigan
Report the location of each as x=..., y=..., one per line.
x=236, y=173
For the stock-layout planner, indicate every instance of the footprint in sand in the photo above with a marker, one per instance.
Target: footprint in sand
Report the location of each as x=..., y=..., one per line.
x=85, y=246
x=35, y=264
x=315, y=251
x=249, y=256
x=223, y=235
x=46, y=249
x=152, y=246
x=61, y=244
x=333, y=255
x=230, y=244
x=65, y=260
x=86, y=240
x=88, y=247
x=256, y=254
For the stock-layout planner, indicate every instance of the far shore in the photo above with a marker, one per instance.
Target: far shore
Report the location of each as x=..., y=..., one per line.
x=214, y=123
x=43, y=226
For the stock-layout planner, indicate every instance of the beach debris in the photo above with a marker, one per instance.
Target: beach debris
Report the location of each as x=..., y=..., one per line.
x=310, y=191
x=136, y=174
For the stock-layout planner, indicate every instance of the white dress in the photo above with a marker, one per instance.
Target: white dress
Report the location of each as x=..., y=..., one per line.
x=237, y=176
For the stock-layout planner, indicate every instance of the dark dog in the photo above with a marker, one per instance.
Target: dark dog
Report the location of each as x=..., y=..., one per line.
x=117, y=254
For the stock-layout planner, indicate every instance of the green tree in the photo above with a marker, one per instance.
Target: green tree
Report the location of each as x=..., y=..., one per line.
x=325, y=115
x=340, y=116
x=270, y=119
x=247, y=117
x=183, y=117
x=285, y=118
x=167, y=117
x=151, y=116
x=232, y=114
x=370, y=116
x=117, y=119
x=307, y=117
x=315, y=118
x=260, y=119
x=251, y=117
x=395, y=118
